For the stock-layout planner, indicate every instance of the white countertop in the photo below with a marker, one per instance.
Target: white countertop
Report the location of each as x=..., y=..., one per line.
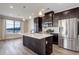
x=37, y=35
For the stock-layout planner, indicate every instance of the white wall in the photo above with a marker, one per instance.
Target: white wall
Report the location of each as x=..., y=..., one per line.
x=30, y=25
x=25, y=27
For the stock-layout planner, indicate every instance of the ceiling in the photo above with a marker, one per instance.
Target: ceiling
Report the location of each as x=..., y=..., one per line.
x=24, y=10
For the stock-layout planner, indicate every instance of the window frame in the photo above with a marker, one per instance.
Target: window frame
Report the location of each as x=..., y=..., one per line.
x=14, y=26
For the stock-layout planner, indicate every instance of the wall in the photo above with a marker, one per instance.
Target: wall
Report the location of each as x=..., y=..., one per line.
x=25, y=26
x=30, y=25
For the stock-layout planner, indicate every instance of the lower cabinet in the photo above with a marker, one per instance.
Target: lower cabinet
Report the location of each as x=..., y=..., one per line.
x=49, y=45
x=55, y=39
x=49, y=49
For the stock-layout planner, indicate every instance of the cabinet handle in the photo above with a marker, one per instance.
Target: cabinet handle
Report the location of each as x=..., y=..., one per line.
x=46, y=42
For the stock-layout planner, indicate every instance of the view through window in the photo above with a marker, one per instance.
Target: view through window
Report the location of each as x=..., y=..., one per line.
x=13, y=26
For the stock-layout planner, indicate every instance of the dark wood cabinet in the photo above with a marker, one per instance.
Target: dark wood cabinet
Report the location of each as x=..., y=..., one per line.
x=55, y=39
x=67, y=14
x=38, y=24
x=49, y=45
x=48, y=19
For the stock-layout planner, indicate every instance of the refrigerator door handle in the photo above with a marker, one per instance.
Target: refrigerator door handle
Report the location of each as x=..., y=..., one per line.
x=66, y=27
x=66, y=31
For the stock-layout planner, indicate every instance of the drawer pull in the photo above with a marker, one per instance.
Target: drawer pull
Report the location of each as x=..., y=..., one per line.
x=46, y=42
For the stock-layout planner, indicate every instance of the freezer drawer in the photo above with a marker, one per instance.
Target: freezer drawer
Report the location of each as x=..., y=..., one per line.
x=70, y=44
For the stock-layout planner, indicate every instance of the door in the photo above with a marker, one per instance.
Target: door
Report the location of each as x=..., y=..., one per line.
x=62, y=27
x=72, y=28
x=68, y=34
x=62, y=32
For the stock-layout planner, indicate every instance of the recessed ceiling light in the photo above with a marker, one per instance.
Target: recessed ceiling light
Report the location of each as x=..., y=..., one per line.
x=11, y=7
x=30, y=17
x=48, y=8
x=24, y=19
x=40, y=13
x=42, y=9
x=32, y=13
x=24, y=6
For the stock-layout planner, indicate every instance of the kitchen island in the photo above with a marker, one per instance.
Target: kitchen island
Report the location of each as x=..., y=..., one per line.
x=39, y=43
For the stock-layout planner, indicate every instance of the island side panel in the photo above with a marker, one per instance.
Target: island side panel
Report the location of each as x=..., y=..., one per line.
x=49, y=46
x=36, y=45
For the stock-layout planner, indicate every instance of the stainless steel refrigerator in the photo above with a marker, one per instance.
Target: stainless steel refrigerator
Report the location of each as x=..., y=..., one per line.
x=68, y=34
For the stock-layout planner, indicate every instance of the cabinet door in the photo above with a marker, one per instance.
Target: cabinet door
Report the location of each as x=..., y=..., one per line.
x=55, y=39
x=36, y=25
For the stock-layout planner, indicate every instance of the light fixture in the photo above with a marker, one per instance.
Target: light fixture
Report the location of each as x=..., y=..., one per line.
x=66, y=12
x=11, y=7
x=24, y=19
x=42, y=9
x=30, y=17
x=24, y=6
x=40, y=13
x=50, y=15
x=32, y=13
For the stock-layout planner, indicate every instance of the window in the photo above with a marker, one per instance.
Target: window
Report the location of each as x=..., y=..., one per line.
x=17, y=26
x=13, y=26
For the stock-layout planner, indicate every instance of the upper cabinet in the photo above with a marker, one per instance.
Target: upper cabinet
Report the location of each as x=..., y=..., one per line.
x=67, y=14
x=43, y=22
x=48, y=19
x=38, y=24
